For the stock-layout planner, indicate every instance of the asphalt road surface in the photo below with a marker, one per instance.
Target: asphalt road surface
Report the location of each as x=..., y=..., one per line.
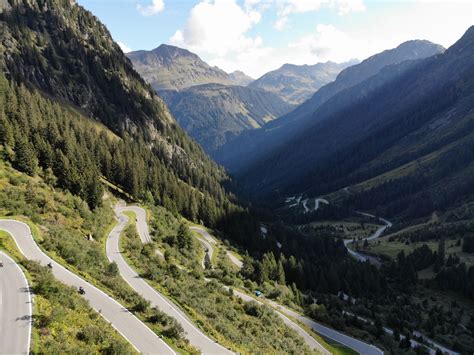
x=375, y=235
x=234, y=259
x=352, y=343
x=195, y=336
x=207, y=240
x=208, y=249
x=15, y=308
x=131, y=328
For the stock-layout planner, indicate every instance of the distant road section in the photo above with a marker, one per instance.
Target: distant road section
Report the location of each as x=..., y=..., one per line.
x=375, y=235
x=131, y=328
x=15, y=308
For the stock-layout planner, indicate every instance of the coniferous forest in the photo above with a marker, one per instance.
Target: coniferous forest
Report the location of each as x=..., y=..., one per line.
x=81, y=133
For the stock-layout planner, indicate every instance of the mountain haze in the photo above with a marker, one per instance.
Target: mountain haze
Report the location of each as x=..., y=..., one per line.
x=407, y=139
x=212, y=106
x=296, y=83
x=214, y=114
x=263, y=142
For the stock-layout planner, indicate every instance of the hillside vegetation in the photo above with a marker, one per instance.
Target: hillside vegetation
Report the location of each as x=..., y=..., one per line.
x=63, y=69
x=72, y=234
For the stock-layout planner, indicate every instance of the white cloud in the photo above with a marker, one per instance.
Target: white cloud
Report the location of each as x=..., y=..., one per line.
x=155, y=7
x=329, y=43
x=325, y=43
x=288, y=7
x=218, y=27
x=281, y=23
x=345, y=7
x=124, y=47
x=220, y=31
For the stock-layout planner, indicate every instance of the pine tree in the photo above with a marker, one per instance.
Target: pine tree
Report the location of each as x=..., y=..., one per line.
x=94, y=192
x=25, y=156
x=333, y=280
x=441, y=250
x=379, y=331
x=281, y=273
x=184, y=238
x=248, y=270
x=207, y=262
x=440, y=255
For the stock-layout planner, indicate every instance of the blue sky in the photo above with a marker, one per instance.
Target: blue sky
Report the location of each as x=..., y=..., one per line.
x=260, y=35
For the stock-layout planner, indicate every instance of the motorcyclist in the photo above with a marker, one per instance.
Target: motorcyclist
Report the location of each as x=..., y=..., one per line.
x=50, y=265
x=81, y=290
x=1, y=263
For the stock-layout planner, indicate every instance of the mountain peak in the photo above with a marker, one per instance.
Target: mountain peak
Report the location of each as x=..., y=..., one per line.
x=465, y=43
x=409, y=50
x=292, y=66
x=238, y=72
x=169, y=67
x=296, y=83
x=240, y=78
x=170, y=52
x=420, y=45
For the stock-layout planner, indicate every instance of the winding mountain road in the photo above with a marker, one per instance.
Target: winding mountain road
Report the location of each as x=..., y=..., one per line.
x=208, y=249
x=15, y=308
x=375, y=235
x=195, y=336
x=318, y=201
x=131, y=328
x=141, y=221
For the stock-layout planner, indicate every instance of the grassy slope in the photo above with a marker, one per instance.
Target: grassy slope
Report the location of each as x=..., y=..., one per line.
x=63, y=321
x=226, y=272
x=207, y=304
x=61, y=223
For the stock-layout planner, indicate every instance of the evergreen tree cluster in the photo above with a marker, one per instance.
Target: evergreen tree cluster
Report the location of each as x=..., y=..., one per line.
x=73, y=152
x=318, y=264
x=450, y=273
x=458, y=278
x=64, y=52
x=468, y=244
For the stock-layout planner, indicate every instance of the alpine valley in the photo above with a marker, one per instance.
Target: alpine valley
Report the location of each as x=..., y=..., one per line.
x=153, y=203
